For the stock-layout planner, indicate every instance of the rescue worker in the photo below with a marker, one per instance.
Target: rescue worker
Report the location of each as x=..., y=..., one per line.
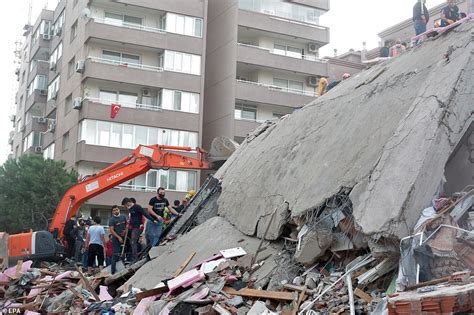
x=421, y=16
x=117, y=228
x=397, y=49
x=449, y=14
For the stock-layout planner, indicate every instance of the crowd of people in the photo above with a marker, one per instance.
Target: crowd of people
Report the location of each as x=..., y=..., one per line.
x=128, y=235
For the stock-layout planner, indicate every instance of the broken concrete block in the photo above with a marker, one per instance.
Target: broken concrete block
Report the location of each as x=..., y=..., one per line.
x=387, y=133
x=313, y=245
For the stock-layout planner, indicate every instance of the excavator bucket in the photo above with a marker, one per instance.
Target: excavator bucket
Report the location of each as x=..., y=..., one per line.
x=221, y=149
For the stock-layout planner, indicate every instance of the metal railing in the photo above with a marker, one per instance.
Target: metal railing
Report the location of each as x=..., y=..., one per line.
x=275, y=52
x=125, y=104
x=281, y=89
x=129, y=25
x=125, y=64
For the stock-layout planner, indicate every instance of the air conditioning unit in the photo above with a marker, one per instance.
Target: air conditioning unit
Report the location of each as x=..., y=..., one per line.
x=54, y=95
x=52, y=66
x=51, y=125
x=77, y=103
x=146, y=92
x=46, y=37
x=38, y=149
x=43, y=92
x=312, y=48
x=42, y=120
x=80, y=66
x=312, y=81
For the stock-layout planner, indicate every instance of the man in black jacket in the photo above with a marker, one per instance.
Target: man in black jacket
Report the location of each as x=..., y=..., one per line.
x=421, y=16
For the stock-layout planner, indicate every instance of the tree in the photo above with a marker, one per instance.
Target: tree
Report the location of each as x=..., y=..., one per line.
x=30, y=189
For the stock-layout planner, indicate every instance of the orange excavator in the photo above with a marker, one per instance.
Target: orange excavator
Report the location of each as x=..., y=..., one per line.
x=48, y=245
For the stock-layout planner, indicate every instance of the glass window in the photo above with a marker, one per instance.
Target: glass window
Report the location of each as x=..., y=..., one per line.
x=174, y=137
x=140, y=135
x=116, y=135
x=130, y=59
x=112, y=18
x=127, y=138
x=91, y=126
x=151, y=179
x=294, y=52
x=180, y=24
x=187, y=59
x=295, y=85
x=188, y=25
x=198, y=27
x=196, y=64
x=132, y=20
x=178, y=62
x=181, y=181
x=128, y=99
x=153, y=135
x=103, y=133
x=194, y=103
x=191, y=181
x=279, y=49
x=107, y=97
x=169, y=60
x=280, y=83
x=177, y=100
x=111, y=55
x=172, y=180
x=170, y=21
x=163, y=178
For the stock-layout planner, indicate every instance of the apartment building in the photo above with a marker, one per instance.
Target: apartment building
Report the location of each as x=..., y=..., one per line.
x=262, y=62
x=147, y=56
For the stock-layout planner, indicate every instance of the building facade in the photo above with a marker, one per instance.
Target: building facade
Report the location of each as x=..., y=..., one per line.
x=146, y=56
x=183, y=72
x=262, y=62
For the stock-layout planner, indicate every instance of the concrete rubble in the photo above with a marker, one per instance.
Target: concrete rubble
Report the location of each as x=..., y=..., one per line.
x=355, y=204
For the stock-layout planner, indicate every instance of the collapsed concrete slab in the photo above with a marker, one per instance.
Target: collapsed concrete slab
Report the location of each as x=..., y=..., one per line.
x=386, y=133
x=206, y=240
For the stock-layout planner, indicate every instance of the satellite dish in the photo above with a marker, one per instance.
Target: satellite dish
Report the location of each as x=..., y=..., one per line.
x=86, y=12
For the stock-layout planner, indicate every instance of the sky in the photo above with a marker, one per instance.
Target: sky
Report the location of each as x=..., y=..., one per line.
x=351, y=22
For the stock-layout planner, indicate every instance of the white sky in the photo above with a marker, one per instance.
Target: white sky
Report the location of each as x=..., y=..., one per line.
x=351, y=22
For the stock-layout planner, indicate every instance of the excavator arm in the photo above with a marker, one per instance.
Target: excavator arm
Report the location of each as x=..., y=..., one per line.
x=142, y=159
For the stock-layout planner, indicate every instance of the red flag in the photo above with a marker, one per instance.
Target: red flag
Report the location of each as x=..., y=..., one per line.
x=114, y=109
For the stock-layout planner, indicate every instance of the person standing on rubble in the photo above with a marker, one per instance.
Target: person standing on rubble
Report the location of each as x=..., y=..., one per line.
x=421, y=16
x=117, y=225
x=449, y=14
x=95, y=243
x=157, y=208
x=79, y=234
x=136, y=214
x=397, y=49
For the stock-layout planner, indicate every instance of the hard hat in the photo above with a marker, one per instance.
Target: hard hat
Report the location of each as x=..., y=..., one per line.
x=346, y=75
x=192, y=193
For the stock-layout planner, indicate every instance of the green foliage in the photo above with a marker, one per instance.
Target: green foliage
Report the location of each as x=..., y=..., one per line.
x=30, y=189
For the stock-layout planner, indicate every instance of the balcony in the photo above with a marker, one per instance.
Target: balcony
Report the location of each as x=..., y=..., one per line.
x=269, y=94
x=35, y=125
x=256, y=55
x=99, y=154
x=186, y=7
x=140, y=114
x=243, y=127
x=48, y=139
x=144, y=75
x=41, y=67
x=279, y=25
x=40, y=43
x=38, y=97
x=320, y=4
x=139, y=35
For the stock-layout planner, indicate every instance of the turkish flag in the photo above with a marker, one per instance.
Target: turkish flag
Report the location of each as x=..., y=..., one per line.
x=114, y=109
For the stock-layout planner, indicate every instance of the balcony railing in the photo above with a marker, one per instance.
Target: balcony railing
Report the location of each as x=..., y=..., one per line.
x=278, y=88
x=124, y=104
x=278, y=52
x=125, y=64
x=129, y=25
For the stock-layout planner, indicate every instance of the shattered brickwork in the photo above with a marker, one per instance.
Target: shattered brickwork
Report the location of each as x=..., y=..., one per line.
x=387, y=133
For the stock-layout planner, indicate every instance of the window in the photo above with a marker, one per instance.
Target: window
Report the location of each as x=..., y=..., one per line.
x=71, y=67
x=120, y=58
x=53, y=88
x=74, y=30
x=120, y=19
x=55, y=56
x=43, y=30
x=185, y=25
x=68, y=104
x=125, y=99
x=39, y=83
x=289, y=85
x=179, y=100
x=181, y=62
x=66, y=141
x=48, y=152
x=245, y=112
x=58, y=25
x=288, y=51
x=178, y=180
x=130, y=136
x=33, y=139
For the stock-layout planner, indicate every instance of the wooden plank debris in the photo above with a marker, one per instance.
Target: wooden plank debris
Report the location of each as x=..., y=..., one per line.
x=151, y=292
x=184, y=265
x=88, y=284
x=261, y=294
x=364, y=296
